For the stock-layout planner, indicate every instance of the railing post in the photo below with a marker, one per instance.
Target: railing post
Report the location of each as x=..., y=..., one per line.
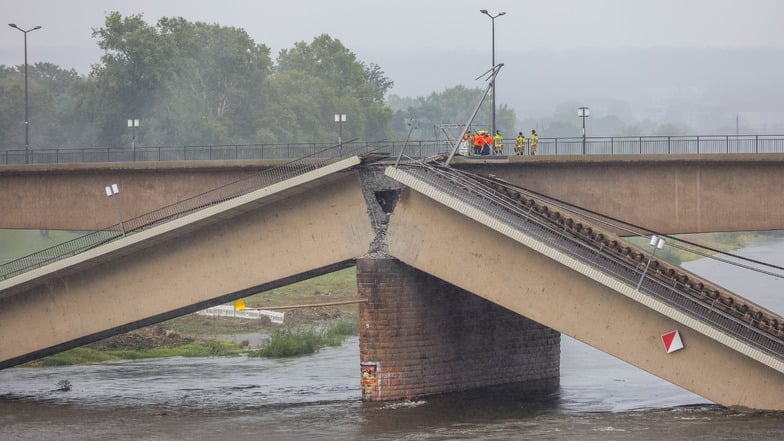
x=640, y=145
x=556, y=146
x=756, y=138
x=612, y=146
x=727, y=146
x=669, y=149
x=698, y=145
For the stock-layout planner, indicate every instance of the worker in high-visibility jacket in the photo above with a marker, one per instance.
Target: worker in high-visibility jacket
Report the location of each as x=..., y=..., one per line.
x=487, y=143
x=534, y=142
x=479, y=142
x=520, y=144
x=498, y=143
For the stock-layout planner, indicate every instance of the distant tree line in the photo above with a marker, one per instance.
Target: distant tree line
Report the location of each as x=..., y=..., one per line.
x=192, y=83
x=195, y=84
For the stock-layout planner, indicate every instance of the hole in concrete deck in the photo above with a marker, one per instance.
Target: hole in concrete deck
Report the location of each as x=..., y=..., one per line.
x=387, y=199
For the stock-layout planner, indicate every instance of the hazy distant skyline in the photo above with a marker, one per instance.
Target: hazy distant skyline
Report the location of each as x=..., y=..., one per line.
x=365, y=26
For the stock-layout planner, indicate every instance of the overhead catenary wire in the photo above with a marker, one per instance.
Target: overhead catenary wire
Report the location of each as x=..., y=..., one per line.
x=638, y=230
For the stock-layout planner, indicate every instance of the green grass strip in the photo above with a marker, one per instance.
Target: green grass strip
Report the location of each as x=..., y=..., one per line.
x=296, y=342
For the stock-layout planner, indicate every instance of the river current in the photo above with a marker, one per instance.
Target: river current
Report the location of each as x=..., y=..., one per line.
x=318, y=397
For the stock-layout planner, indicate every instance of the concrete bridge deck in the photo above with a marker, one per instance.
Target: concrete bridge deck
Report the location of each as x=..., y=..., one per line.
x=314, y=223
x=529, y=275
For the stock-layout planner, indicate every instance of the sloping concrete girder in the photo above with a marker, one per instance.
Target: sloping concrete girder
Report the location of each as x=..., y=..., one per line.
x=248, y=242
x=500, y=264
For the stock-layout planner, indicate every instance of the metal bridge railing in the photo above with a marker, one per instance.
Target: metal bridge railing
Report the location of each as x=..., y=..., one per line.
x=499, y=207
x=209, y=152
x=181, y=208
x=661, y=145
x=626, y=145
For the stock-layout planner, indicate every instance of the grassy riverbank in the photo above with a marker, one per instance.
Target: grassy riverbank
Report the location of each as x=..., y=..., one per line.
x=90, y=354
x=19, y=243
x=284, y=342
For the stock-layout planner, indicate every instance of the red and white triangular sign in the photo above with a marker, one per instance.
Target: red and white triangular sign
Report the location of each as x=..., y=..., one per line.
x=672, y=341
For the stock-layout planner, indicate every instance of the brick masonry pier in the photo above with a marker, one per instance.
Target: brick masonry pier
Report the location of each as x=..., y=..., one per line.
x=422, y=336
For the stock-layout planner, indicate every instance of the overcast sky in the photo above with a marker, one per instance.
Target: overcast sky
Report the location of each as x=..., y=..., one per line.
x=371, y=28
x=369, y=24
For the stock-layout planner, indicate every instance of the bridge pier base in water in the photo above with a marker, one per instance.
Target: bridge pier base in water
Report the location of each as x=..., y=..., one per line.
x=422, y=336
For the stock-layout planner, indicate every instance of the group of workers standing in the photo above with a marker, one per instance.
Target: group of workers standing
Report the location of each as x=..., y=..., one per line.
x=484, y=144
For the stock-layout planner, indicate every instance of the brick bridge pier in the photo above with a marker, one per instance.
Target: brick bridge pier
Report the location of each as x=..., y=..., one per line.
x=420, y=335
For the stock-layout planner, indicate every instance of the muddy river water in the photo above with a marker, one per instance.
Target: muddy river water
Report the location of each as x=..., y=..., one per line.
x=317, y=397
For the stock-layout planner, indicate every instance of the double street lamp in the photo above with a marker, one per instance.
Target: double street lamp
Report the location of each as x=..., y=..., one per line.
x=492, y=20
x=133, y=124
x=340, y=119
x=111, y=191
x=657, y=243
x=27, y=112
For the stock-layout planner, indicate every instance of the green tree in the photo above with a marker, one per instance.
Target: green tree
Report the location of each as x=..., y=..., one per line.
x=50, y=94
x=55, y=80
x=136, y=63
x=189, y=83
x=336, y=83
x=194, y=83
x=300, y=107
x=11, y=112
x=216, y=93
x=46, y=85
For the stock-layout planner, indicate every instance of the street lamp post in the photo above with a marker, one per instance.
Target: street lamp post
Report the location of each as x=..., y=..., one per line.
x=492, y=98
x=340, y=119
x=111, y=191
x=657, y=243
x=27, y=107
x=133, y=124
x=583, y=112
